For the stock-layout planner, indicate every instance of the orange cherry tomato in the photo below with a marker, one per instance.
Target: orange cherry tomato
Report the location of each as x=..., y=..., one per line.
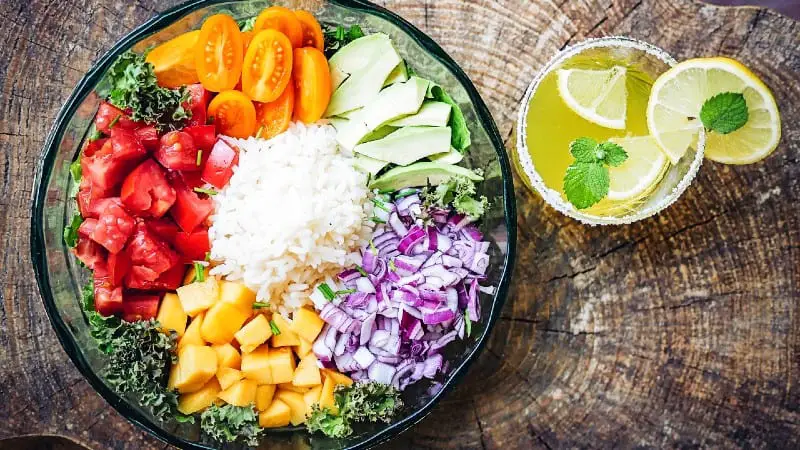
x=219, y=53
x=233, y=113
x=247, y=37
x=312, y=31
x=173, y=60
x=267, y=66
x=283, y=20
x=273, y=118
x=312, y=80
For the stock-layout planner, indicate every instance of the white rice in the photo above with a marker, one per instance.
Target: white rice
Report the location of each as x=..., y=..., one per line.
x=294, y=212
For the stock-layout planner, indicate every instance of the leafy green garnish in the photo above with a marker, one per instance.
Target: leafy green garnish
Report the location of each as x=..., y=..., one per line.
x=586, y=181
x=206, y=191
x=344, y=292
x=459, y=192
x=360, y=402
x=228, y=423
x=274, y=327
x=71, y=230
x=260, y=305
x=327, y=292
x=361, y=269
x=134, y=88
x=75, y=171
x=724, y=113
x=247, y=24
x=460, y=137
x=337, y=36
x=199, y=272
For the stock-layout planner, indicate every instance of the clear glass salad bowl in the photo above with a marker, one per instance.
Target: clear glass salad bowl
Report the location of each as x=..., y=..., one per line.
x=60, y=277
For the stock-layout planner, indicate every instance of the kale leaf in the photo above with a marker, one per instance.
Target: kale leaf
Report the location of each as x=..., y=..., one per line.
x=459, y=192
x=228, y=423
x=360, y=402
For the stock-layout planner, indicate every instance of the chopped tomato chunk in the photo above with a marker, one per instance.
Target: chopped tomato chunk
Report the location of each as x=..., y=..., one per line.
x=164, y=228
x=91, y=147
x=109, y=165
x=87, y=226
x=204, y=136
x=149, y=252
x=114, y=227
x=140, y=307
x=148, y=136
x=119, y=264
x=219, y=167
x=89, y=252
x=146, y=191
x=197, y=104
x=169, y=280
x=189, y=209
x=107, y=297
x=109, y=117
x=177, y=152
x=193, y=246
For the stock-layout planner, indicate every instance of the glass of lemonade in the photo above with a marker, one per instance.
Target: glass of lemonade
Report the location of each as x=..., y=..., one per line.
x=599, y=89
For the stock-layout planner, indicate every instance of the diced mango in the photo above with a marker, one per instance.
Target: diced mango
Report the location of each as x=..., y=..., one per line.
x=307, y=372
x=241, y=393
x=237, y=293
x=199, y=400
x=293, y=388
x=256, y=365
x=190, y=275
x=312, y=397
x=174, y=373
x=255, y=333
x=221, y=322
x=338, y=378
x=307, y=324
x=227, y=377
x=326, y=399
x=303, y=349
x=171, y=315
x=281, y=364
x=199, y=296
x=264, y=395
x=228, y=356
x=278, y=414
x=296, y=403
x=197, y=364
x=192, y=335
x=287, y=337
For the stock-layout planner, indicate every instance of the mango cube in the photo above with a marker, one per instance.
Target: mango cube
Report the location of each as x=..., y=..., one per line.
x=192, y=335
x=307, y=324
x=278, y=414
x=227, y=377
x=287, y=337
x=256, y=365
x=221, y=322
x=312, y=397
x=307, y=372
x=199, y=296
x=297, y=404
x=237, y=294
x=197, y=364
x=174, y=372
x=303, y=349
x=338, y=378
x=255, y=333
x=241, y=393
x=171, y=315
x=293, y=388
x=199, y=400
x=264, y=395
x=326, y=398
x=227, y=356
x=281, y=364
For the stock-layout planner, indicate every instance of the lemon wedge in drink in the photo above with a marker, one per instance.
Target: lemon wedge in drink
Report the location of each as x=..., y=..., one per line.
x=599, y=96
x=641, y=172
x=678, y=95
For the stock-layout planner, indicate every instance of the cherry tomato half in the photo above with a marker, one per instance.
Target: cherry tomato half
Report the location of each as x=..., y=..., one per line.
x=283, y=20
x=312, y=80
x=146, y=191
x=218, y=54
x=173, y=61
x=267, y=66
x=273, y=118
x=312, y=31
x=233, y=113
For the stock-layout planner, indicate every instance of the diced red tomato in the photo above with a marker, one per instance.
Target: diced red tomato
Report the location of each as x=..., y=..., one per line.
x=89, y=252
x=109, y=165
x=114, y=227
x=197, y=104
x=107, y=297
x=148, y=251
x=204, y=136
x=91, y=147
x=87, y=226
x=177, y=151
x=107, y=114
x=89, y=196
x=218, y=169
x=119, y=264
x=193, y=246
x=189, y=210
x=169, y=280
x=140, y=307
x=164, y=228
x=148, y=136
x=146, y=191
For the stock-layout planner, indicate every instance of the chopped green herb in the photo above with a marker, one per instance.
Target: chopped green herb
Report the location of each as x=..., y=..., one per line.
x=392, y=267
x=206, y=191
x=725, y=112
x=71, y=230
x=360, y=402
x=587, y=180
x=260, y=131
x=327, y=292
x=95, y=134
x=467, y=324
x=208, y=256
x=377, y=219
x=199, y=159
x=344, y=292
x=229, y=423
x=380, y=205
x=369, y=178
x=372, y=247
x=260, y=305
x=274, y=327
x=361, y=270
x=402, y=193
x=115, y=121
x=199, y=272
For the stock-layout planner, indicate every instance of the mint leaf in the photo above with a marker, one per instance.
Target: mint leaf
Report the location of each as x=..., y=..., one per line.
x=724, y=113
x=586, y=183
x=584, y=149
x=614, y=154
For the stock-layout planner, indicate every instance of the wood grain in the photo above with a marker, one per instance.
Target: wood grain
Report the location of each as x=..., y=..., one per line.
x=679, y=331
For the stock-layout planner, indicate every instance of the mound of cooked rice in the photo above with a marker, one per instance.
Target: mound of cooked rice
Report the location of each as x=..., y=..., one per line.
x=294, y=211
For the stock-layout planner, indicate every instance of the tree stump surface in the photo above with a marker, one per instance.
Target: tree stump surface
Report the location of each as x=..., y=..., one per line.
x=682, y=330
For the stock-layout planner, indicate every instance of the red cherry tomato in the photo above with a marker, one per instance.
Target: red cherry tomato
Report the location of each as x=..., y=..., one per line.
x=140, y=307
x=89, y=252
x=204, y=136
x=119, y=264
x=114, y=227
x=177, y=152
x=108, y=114
x=149, y=252
x=146, y=191
x=189, y=209
x=193, y=246
x=197, y=104
x=107, y=297
x=148, y=136
x=219, y=166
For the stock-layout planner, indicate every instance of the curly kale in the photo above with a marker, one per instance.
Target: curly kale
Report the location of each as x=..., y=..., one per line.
x=458, y=192
x=360, y=402
x=229, y=423
x=337, y=36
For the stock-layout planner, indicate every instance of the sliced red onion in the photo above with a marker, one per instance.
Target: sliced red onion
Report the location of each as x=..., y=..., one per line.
x=358, y=300
x=432, y=365
x=452, y=261
x=387, y=236
x=341, y=344
x=366, y=329
x=414, y=236
x=459, y=326
x=438, y=316
x=372, y=304
x=359, y=375
x=329, y=335
x=407, y=265
x=363, y=357
x=336, y=317
x=406, y=297
x=381, y=372
x=403, y=370
x=471, y=232
x=346, y=363
x=487, y=289
x=368, y=260
x=479, y=263
x=348, y=275
x=410, y=310
x=439, y=344
x=445, y=243
x=389, y=359
x=323, y=352
x=452, y=299
x=364, y=285
x=472, y=302
x=397, y=225
x=411, y=280
x=432, y=295
x=405, y=203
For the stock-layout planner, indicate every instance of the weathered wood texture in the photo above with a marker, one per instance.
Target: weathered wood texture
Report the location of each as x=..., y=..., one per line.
x=679, y=331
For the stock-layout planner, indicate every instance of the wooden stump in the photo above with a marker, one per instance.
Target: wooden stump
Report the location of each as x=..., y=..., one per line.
x=679, y=331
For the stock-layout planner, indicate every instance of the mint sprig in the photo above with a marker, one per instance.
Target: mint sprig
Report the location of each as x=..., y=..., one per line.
x=724, y=113
x=586, y=181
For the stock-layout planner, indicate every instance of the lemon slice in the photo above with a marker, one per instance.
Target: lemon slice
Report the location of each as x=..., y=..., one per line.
x=678, y=95
x=598, y=96
x=640, y=172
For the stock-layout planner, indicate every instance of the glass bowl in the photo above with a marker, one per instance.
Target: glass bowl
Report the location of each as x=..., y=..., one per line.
x=60, y=277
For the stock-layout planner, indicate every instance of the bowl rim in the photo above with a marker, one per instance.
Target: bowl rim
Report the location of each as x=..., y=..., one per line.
x=85, y=86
